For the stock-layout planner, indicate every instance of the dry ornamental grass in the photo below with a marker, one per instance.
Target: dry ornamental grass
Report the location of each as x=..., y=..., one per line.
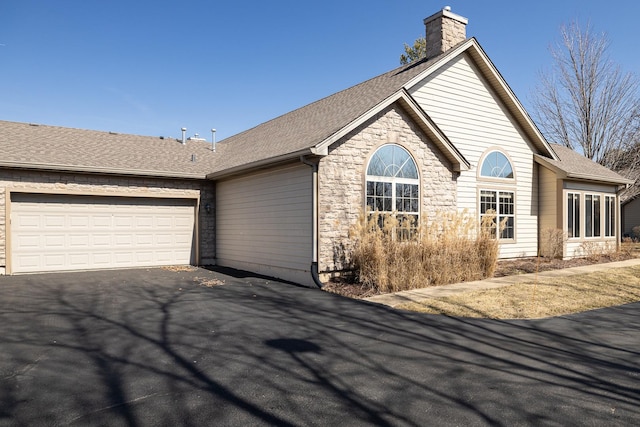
x=391, y=255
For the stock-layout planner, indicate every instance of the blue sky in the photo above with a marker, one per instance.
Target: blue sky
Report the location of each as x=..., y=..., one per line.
x=152, y=67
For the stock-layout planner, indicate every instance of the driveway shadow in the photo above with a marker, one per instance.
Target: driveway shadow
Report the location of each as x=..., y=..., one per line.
x=158, y=347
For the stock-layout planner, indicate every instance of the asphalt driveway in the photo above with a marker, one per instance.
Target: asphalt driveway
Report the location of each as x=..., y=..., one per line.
x=157, y=347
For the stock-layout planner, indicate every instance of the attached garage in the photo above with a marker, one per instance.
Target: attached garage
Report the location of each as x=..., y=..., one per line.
x=264, y=223
x=72, y=232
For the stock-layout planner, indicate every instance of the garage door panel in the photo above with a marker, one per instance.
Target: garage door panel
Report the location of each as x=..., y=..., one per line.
x=53, y=221
x=54, y=241
x=52, y=233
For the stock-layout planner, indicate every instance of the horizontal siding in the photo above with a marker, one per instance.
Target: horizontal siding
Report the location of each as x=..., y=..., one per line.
x=263, y=222
x=631, y=216
x=548, y=199
x=463, y=105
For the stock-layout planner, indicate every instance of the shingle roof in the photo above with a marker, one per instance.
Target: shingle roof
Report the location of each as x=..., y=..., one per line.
x=575, y=165
x=309, y=125
x=58, y=148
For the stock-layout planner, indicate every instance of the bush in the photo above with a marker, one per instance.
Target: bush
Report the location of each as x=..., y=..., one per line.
x=390, y=255
x=552, y=243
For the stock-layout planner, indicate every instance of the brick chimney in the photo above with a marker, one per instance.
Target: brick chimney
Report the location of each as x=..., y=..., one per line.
x=444, y=30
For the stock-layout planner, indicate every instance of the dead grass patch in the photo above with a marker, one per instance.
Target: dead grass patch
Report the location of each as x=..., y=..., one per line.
x=209, y=283
x=545, y=298
x=178, y=268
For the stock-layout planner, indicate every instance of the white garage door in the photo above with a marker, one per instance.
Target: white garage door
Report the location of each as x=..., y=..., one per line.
x=56, y=233
x=264, y=223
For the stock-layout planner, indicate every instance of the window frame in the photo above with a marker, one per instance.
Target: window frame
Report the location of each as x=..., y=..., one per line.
x=610, y=216
x=592, y=215
x=485, y=156
x=574, y=214
x=500, y=215
x=498, y=185
x=395, y=184
x=603, y=206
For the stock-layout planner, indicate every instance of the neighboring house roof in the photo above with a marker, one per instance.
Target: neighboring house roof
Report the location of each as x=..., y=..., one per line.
x=572, y=165
x=30, y=146
x=310, y=129
x=632, y=192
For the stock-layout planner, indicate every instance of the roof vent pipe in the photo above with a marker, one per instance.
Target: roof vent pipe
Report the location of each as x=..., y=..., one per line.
x=213, y=140
x=184, y=136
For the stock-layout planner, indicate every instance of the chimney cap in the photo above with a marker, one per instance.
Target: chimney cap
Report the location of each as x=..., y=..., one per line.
x=446, y=12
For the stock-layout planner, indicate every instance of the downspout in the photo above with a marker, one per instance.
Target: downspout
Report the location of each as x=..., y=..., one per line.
x=314, y=233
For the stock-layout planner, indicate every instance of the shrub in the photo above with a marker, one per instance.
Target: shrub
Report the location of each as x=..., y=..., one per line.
x=552, y=243
x=391, y=255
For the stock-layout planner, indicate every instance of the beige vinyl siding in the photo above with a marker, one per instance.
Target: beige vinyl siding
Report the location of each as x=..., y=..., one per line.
x=263, y=223
x=550, y=207
x=463, y=105
x=548, y=190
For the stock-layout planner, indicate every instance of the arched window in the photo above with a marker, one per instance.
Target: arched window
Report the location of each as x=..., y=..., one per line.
x=496, y=165
x=499, y=201
x=393, y=185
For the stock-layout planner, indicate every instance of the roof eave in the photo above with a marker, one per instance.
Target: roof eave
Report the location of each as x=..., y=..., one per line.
x=261, y=164
x=98, y=170
x=563, y=174
x=427, y=125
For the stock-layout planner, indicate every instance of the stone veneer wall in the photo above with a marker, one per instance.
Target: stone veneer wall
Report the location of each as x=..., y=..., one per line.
x=107, y=185
x=341, y=178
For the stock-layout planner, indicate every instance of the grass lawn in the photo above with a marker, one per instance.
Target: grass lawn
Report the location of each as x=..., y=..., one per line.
x=545, y=297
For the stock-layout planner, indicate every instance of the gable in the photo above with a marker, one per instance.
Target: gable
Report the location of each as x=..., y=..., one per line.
x=469, y=111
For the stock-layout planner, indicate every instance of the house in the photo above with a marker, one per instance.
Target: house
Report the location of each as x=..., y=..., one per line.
x=443, y=134
x=630, y=209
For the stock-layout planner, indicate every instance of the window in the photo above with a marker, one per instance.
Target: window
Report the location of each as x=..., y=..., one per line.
x=502, y=205
x=573, y=215
x=496, y=165
x=591, y=215
x=609, y=216
x=393, y=184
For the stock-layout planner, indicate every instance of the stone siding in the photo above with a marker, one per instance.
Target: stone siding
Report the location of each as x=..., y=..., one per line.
x=110, y=185
x=341, y=177
x=442, y=34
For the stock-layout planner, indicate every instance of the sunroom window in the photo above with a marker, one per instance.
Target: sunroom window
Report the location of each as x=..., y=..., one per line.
x=393, y=185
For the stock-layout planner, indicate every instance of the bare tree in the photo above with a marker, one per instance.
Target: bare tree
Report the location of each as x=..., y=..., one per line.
x=587, y=103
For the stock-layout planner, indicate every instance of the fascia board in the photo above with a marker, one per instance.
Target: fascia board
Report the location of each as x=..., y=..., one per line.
x=460, y=163
x=578, y=176
x=264, y=163
x=97, y=170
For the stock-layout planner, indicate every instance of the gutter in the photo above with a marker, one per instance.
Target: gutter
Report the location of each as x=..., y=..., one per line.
x=99, y=170
x=314, y=260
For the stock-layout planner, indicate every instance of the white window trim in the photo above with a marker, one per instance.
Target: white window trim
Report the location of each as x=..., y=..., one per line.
x=495, y=179
x=583, y=215
x=393, y=181
x=500, y=217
